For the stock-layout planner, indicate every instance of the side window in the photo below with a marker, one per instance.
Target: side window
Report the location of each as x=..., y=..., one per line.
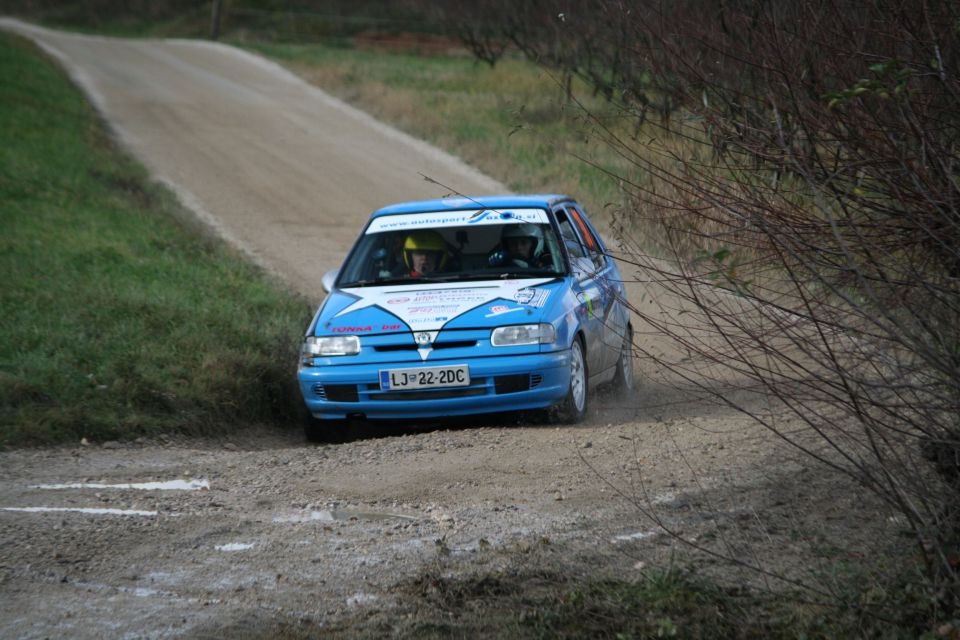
x=569, y=235
x=594, y=248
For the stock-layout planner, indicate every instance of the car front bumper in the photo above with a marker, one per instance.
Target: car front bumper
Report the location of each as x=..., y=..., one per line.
x=497, y=383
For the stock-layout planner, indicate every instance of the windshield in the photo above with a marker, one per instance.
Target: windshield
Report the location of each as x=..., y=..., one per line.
x=433, y=247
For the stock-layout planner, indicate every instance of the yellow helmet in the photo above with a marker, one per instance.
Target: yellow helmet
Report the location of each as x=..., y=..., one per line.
x=425, y=241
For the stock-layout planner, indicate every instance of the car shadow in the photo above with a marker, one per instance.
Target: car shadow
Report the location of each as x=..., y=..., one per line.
x=358, y=429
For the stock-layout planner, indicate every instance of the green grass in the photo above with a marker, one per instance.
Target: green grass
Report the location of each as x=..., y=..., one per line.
x=119, y=319
x=667, y=602
x=527, y=602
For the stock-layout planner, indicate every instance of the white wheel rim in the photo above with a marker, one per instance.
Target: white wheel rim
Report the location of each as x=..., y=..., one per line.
x=578, y=387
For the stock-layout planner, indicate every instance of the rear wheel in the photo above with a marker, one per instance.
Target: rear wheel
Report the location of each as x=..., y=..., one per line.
x=623, y=379
x=573, y=408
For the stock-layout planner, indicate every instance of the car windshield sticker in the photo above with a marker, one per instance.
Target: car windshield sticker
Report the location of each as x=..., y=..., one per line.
x=456, y=219
x=429, y=307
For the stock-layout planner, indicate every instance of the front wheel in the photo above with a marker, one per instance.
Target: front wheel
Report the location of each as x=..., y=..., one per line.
x=323, y=431
x=573, y=408
x=623, y=379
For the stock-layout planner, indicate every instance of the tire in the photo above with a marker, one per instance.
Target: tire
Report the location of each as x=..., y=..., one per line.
x=623, y=380
x=321, y=431
x=573, y=408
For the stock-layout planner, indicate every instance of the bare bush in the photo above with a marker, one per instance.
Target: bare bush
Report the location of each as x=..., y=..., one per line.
x=803, y=173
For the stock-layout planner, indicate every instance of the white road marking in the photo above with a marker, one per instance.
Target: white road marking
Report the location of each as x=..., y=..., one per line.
x=234, y=546
x=170, y=485
x=342, y=516
x=97, y=512
x=640, y=535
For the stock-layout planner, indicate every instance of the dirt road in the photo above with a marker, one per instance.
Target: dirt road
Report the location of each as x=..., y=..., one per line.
x=188, y=538
x=280, y=168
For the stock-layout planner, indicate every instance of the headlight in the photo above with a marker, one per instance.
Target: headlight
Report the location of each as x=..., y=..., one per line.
x=520, y=334
x=329, y=346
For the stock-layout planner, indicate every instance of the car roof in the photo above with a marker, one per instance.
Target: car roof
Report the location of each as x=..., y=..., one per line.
x=544, y=201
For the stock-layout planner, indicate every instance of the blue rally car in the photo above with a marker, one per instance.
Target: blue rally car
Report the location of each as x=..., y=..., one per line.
x=465, y=306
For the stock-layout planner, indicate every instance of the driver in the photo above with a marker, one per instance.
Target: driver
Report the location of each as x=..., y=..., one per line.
x=521, y=245
x=424, y=252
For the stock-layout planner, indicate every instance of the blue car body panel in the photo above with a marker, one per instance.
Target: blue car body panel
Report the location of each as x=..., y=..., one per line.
x=415, y=324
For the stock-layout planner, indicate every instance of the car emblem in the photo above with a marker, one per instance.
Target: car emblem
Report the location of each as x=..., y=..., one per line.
x=423, y=338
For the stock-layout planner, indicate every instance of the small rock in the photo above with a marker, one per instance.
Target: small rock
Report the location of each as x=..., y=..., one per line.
x=587, y=445
x=84, y=442
x=229, y=446
x=111, y=444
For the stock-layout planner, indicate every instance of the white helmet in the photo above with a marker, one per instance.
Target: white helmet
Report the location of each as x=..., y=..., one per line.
x=524, y=230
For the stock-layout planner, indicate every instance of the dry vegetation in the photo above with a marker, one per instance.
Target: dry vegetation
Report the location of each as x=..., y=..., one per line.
x=804, y=160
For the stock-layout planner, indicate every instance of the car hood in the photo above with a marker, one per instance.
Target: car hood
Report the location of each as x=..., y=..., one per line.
x=434, y=306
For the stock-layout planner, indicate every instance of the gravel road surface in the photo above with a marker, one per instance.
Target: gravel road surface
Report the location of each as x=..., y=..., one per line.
x=177, y=538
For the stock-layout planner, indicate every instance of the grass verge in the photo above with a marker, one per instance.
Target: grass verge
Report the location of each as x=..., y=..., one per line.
x=529, y=600
x=118, y=318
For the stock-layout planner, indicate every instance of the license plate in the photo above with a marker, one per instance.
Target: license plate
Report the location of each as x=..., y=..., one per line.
x=457, y=375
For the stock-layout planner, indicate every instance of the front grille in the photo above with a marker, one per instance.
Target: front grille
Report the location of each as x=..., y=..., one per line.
x=336, y=392
x=496, y=385
x=455, y=344
x=512, y=384
x=430, y=394
x=396, y=347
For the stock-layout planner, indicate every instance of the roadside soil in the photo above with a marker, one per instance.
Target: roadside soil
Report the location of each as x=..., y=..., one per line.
x=262, y=527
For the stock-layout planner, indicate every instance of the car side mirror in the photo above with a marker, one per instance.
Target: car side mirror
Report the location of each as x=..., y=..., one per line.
x=328, y=279
x=583, y=268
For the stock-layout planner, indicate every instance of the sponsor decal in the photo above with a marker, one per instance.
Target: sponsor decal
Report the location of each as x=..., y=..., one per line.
x=391, y=327
x=499, y=310
x=586, y=308
x=455, y=219
x=442, y=308
x=494, y=215
x=523, y=296
x=426, y=308
x=351, y=329
x=532, y=297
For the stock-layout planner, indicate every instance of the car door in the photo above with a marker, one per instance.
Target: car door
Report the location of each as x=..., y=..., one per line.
x=585, y=288
x=606, y=277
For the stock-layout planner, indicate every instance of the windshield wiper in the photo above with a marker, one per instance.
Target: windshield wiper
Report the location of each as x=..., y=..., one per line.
x=440, y=277
x=374, y=282
x=472, y=277
x=533, y=273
